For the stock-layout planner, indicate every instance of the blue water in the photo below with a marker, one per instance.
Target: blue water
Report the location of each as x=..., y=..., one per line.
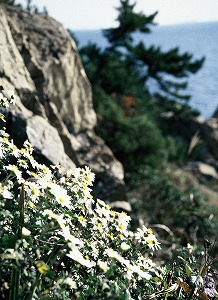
x=199, y=39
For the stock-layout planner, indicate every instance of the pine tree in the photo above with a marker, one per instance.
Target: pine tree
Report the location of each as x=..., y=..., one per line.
x=129, y=115
x=123, y=57
x=129, y=23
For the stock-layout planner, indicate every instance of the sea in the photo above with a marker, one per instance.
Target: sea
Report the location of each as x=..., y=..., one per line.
x=199, y=39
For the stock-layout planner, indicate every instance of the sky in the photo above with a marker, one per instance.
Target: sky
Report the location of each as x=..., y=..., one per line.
x=99, y=14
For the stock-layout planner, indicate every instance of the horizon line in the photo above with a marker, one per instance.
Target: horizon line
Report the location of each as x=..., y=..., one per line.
x=157, y=24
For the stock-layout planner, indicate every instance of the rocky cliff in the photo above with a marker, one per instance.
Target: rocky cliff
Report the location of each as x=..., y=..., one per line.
x=40, y=62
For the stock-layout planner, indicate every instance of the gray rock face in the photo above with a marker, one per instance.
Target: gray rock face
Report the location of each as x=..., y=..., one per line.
x=39, y=60
x=204, y=169
x=52, y=61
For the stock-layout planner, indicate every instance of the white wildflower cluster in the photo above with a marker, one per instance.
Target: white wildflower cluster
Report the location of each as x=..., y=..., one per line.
x=6, y=98
x=78, y=245
x=146, y=237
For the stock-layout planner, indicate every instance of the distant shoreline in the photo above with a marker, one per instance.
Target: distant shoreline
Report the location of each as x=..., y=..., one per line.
x=157, y=25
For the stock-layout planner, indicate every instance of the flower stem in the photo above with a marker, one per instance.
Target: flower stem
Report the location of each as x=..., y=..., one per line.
x=15, y=280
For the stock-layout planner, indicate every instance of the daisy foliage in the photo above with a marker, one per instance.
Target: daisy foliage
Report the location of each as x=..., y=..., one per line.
x=59, y=242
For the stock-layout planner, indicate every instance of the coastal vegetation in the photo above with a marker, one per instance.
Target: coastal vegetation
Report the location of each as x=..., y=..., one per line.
x=58, y=242
x=133, y=119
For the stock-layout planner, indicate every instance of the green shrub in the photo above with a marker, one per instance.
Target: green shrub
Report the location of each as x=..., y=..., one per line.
x=135, y=139
x=158, y=201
